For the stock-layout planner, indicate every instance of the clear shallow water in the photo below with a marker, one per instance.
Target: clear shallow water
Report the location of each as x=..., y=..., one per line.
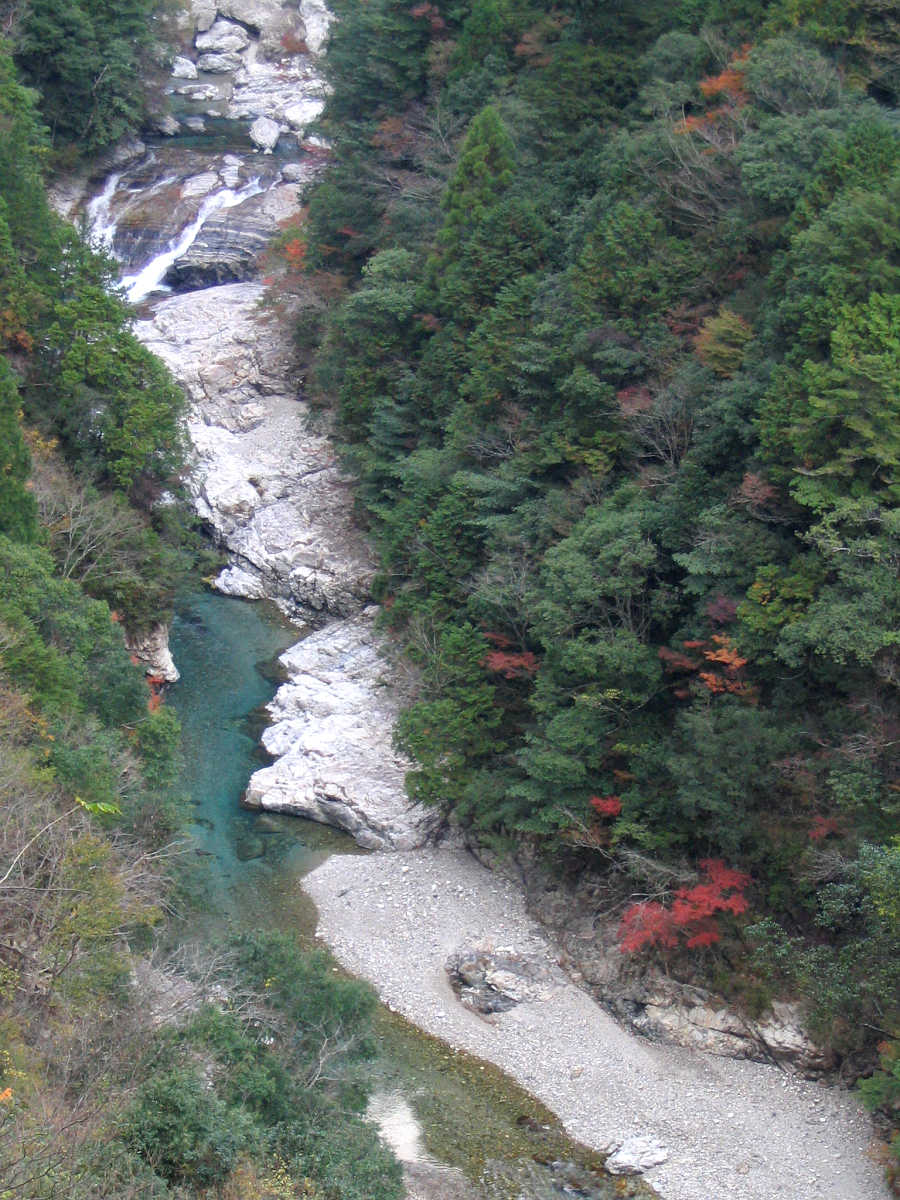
x=226, y=651
x=435, y=1105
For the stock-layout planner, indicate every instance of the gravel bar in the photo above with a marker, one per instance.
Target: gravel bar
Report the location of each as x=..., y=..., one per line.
x=733, y=1129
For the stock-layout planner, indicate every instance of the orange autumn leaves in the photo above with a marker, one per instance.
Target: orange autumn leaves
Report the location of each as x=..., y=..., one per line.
x=728, y=87
x=714, y=665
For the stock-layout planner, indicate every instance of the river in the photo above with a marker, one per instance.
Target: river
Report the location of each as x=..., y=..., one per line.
x=450, y=1117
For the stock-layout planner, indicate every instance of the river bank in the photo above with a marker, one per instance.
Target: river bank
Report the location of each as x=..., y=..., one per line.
x=731, y=1128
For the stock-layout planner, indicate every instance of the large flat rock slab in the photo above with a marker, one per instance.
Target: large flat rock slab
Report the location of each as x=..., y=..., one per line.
x=264, y=479
x=331, y=733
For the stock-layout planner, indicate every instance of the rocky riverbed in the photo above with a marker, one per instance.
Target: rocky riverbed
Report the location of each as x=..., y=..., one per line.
x=723, y=1128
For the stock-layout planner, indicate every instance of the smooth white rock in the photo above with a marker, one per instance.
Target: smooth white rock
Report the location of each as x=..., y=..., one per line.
x=304, y=112
x=637, y=1155
x=183, y=68
x=266, y=89
x=203, y=13
x=265, y=133
x=223, y=37
x=219, y=64
x=199, y=93
x=332, y=734
x=255, y=13
x=316, y=20
x=167, y=125
x=268, y=485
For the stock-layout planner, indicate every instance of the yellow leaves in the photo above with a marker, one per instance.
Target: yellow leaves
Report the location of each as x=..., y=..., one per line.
x=6, y=1095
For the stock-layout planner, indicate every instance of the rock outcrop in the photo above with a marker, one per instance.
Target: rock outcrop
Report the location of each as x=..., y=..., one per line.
x=331, y=732
x=654, y=1004
x=637, y=1155
x=151, y=648
x=264, y=133
x=223, y=37
x=266, y=482
x=228, y=247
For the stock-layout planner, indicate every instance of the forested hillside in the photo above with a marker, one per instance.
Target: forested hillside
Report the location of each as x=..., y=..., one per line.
x=102, y=1092
x=613, y=347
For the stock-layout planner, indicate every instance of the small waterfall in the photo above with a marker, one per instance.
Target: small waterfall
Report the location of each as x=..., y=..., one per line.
x=100, y=222
x=150, y=277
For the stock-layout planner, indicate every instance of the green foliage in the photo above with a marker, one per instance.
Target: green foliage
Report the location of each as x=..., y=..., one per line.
x=17, y=507
x=183, y=1131
x=115, y=404
x=622, y=403
x=63, y=647
x=852, y=981
x=85, y=59
x=846, y=422
x=375, y=60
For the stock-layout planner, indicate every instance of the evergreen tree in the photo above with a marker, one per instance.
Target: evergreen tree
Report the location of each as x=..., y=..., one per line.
x=17, y=507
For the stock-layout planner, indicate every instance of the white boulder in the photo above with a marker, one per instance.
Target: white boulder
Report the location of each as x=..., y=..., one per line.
x=219, y=64
x=331, y=732
x=255, y=13
x=183, y=68
x=203, y=13
x=637, y=1155
x=223, y=37
x=264, y=133
x=316, y=20
x=303, y=113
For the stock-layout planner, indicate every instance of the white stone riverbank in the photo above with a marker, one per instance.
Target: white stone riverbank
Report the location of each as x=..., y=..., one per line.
x=733, y=1129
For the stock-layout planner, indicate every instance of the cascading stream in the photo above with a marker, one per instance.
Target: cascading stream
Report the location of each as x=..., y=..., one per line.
x=100, y=221
x=150, y=278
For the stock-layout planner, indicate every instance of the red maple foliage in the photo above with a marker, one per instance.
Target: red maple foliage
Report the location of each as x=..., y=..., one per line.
x=725, y=666
x=607, y=806
x=823, y=827
x=511, y=666
x=692, y=914
x=429, y=13
x=675, y=663
x=295, y=254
